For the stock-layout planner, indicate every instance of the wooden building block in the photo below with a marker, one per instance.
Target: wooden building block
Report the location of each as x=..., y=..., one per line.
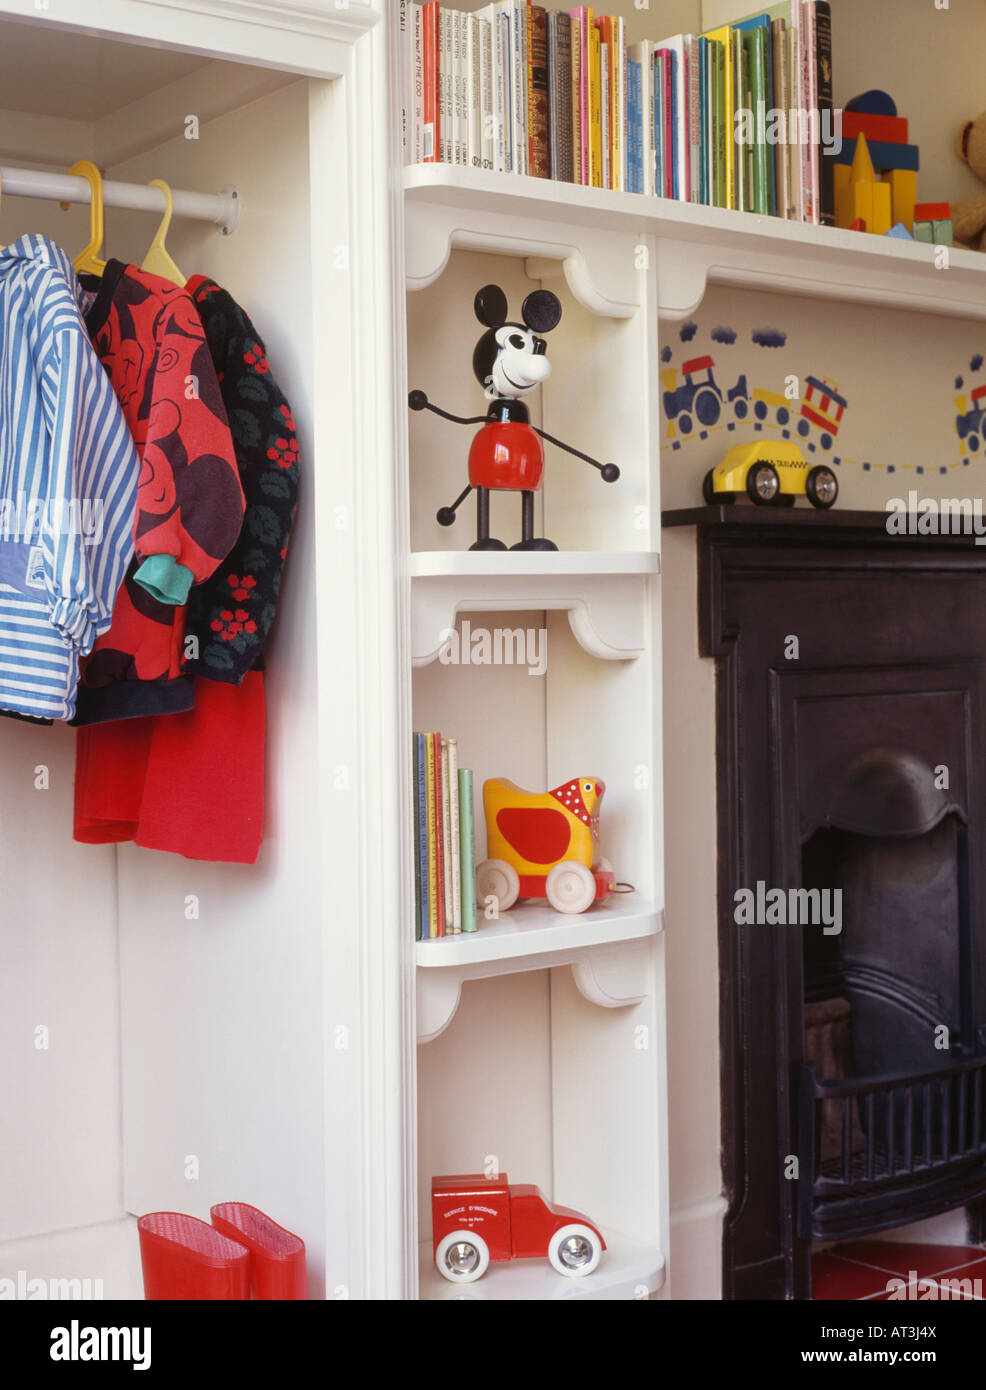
x=903, y=194
x=941, y=232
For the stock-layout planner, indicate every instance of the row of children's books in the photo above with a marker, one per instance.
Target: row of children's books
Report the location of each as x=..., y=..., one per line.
x=444, y=839
x=733, y=118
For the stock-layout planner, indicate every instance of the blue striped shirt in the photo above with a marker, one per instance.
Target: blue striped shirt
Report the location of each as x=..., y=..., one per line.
x=68, y=483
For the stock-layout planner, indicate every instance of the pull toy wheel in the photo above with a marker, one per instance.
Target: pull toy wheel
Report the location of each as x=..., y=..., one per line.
x=570, y=887
x=496, y=878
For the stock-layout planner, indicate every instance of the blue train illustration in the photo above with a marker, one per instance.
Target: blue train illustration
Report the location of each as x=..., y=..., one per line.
x=700, y=399
x=971, y=424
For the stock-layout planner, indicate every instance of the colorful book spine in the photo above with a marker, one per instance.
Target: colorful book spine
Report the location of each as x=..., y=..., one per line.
x=418, y=794
x=436, y=742
x=811, y=105
x=704, y=162
x=605, y=146
x=741, y=136
x=537, y=92
x=694, y=119
x=823, y=64
x=720, y=143
x=518, y=86
x=431, y=123
x=583, y=18
x=560, y=86
x=453, y=825
x=474, y=92
x=760, y=102
x=782, y=102
x=595, y=111
x=577, y=107
x=635, y=150
x=446, y=828
x=432, y=839
x=726, y=98
x=667, y=120
x=416, y=151
x=467, y=850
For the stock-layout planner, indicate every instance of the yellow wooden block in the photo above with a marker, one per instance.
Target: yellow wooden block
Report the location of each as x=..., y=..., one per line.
x=856, y=201
x=841, y=176
x=903, y=184
x=882, y=210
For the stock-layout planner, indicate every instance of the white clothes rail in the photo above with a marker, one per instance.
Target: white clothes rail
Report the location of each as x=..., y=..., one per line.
x=221, y=208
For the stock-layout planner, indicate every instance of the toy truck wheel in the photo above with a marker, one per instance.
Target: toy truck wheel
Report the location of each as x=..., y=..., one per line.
x=570, y=887
x=575, y=1251
x=821, y=487
x=709, y=494
x=496, y=878
x=462, y=1257
x=763, y=484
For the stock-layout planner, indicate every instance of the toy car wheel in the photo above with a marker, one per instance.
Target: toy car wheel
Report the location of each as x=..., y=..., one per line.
x=826, y=442
x=496, y=878
x=763, y=485
x=713, y=498
x=782, y=415
x=685, y=424
x=570, y=887
x=462, y=1257
x=973, y=442
x=760, y=410
x=740, y=408
x=821, y=487
x=575, y=1250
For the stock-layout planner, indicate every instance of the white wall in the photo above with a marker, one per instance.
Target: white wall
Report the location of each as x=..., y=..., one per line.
x=222, y=1016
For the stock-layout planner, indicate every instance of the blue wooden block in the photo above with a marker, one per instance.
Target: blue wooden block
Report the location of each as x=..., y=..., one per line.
x=900, y=232
x=873, y=103
x=884, y=155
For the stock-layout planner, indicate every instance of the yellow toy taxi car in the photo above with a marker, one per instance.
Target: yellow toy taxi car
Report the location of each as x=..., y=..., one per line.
x=772, y=473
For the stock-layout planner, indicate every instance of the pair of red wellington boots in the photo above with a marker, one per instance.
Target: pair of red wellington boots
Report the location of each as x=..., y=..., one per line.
x=184, y=1258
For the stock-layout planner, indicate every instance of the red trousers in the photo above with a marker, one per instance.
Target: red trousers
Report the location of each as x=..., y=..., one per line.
x=190, y=783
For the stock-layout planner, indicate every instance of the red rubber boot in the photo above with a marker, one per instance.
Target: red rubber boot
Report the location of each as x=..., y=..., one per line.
x=183, y=1258
x=277, y=1257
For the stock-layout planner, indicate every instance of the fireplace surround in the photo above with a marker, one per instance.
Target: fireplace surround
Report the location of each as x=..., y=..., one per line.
x=850, y=697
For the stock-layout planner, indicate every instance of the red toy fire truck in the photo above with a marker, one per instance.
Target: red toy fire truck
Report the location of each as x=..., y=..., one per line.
x=479, y=1219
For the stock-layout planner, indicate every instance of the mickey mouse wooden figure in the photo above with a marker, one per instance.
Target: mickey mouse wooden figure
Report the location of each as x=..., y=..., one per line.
x=506, y=455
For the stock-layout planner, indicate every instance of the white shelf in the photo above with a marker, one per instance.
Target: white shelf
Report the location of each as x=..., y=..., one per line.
x=628, y=1270
x=530, y=563
x=533, y=929
x=608, y=948
x=520, y=215
x=604, y=594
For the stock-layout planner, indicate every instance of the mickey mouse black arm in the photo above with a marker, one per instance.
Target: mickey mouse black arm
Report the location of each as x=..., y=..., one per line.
x=417, y=400
x=609, y=471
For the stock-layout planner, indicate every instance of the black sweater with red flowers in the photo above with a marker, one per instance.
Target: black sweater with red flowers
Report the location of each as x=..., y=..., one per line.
x=230, y=615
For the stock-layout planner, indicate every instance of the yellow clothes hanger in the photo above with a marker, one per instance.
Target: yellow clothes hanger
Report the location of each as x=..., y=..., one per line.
x=88, y=257
x=158, y=261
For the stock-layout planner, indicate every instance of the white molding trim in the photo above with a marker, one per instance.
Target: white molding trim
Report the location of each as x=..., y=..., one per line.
x=331, y=19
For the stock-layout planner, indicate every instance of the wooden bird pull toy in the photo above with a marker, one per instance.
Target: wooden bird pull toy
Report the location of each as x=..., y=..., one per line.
x=544, y=845
x=506, y=455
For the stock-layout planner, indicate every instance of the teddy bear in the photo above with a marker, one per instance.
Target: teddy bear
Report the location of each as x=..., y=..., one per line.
x=969, y=216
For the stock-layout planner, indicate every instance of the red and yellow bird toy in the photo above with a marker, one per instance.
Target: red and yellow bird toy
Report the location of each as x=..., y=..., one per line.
x=543, y=845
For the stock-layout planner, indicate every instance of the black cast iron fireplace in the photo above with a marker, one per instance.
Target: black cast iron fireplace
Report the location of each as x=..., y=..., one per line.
x=851, y=759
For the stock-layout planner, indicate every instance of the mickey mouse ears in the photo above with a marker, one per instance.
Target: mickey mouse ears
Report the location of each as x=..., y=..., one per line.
x=541, y=309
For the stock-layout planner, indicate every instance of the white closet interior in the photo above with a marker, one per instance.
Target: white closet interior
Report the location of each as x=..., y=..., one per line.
x=184, y=1060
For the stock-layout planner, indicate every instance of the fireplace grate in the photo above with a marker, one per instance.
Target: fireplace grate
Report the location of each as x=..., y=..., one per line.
x=912, y=1145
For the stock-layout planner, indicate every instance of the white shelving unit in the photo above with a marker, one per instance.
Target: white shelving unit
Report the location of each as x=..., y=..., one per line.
x=585, y=993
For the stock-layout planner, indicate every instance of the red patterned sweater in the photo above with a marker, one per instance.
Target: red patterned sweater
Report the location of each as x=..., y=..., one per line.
x=150, y=340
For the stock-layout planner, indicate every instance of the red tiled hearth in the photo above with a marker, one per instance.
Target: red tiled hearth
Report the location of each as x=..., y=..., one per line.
x=861, y=1269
